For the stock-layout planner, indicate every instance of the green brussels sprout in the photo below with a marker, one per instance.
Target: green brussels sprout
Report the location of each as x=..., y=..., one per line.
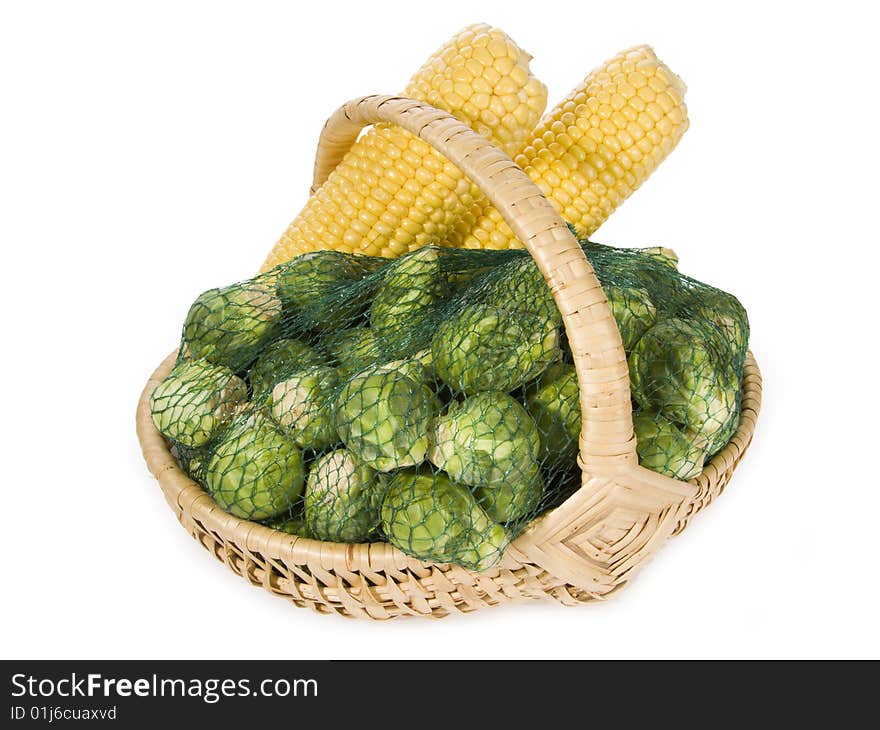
x=256, y=471
x=460, y=274
x=228, y=326
x=290, y=525
x=725, y=313
x=383, y=417
x=485, y=439
x=430, y=517
x=520, y=286
x=666, y=449
x=553, y=402
x=354, y=349
x=424, y=360
x=633, y=311
x=405, y=303
x=486, y=348
x=278, y=361
x=196, y=401
x=664, y=255
x=315, y=290
x=342, y=498
x=419, y=367
x=303, y=405
x=189, y=459
x=420, y=268
x=652, y=274
x=685, y=373
x=514, y=498
x=724, y=435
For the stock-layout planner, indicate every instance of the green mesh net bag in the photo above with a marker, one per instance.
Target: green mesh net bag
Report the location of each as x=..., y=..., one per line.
x=431, y=401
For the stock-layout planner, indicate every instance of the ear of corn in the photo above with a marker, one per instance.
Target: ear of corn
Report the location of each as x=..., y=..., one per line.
x=392, y=192
x=595, y=148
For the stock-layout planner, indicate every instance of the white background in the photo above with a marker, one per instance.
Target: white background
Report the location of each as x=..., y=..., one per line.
x=149, y=151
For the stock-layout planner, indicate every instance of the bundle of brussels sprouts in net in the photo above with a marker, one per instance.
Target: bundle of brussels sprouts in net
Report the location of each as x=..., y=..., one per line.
x=431, y=401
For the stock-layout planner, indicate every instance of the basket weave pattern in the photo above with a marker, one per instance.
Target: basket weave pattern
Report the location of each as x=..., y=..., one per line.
x=581, y=551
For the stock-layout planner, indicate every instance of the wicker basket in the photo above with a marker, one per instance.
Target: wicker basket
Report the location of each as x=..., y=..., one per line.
x=581, y=551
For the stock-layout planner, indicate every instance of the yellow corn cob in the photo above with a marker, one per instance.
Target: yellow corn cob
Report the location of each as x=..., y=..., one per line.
x=392, y=192
x=595, y=148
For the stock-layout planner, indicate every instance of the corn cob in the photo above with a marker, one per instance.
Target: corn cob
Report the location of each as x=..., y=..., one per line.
x=595, y=148
x=392, y=192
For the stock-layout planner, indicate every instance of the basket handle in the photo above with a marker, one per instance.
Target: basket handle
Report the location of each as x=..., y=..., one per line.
x=607, y=443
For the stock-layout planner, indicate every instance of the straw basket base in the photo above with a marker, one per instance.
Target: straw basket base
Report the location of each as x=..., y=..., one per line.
x=376, y=580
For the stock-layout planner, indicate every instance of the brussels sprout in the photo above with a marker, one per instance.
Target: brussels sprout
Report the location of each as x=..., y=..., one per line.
x=664, y=448
x=290, y=525
x=228, y=326
x=421, y=265
x=459, y=274
x=383, y=417
x=490, y=442
x=486, y=439
x=189, y=459
x=510, y=500
x=686, y=374
x=520, y=286
x=486, y=348
x=553, y=401
x=664, y=255
x=342, y=498
x=278, y=361
x=424, y=359
x=256, y=471
x=722, y=438
x=638, y=269
x=303, y=405
x=633, y=311
x=315, y=290
x=354, y=349
x=405, y=304
x=428, y=516
x=196, y=401
x=725, y=313
x=419, y=367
